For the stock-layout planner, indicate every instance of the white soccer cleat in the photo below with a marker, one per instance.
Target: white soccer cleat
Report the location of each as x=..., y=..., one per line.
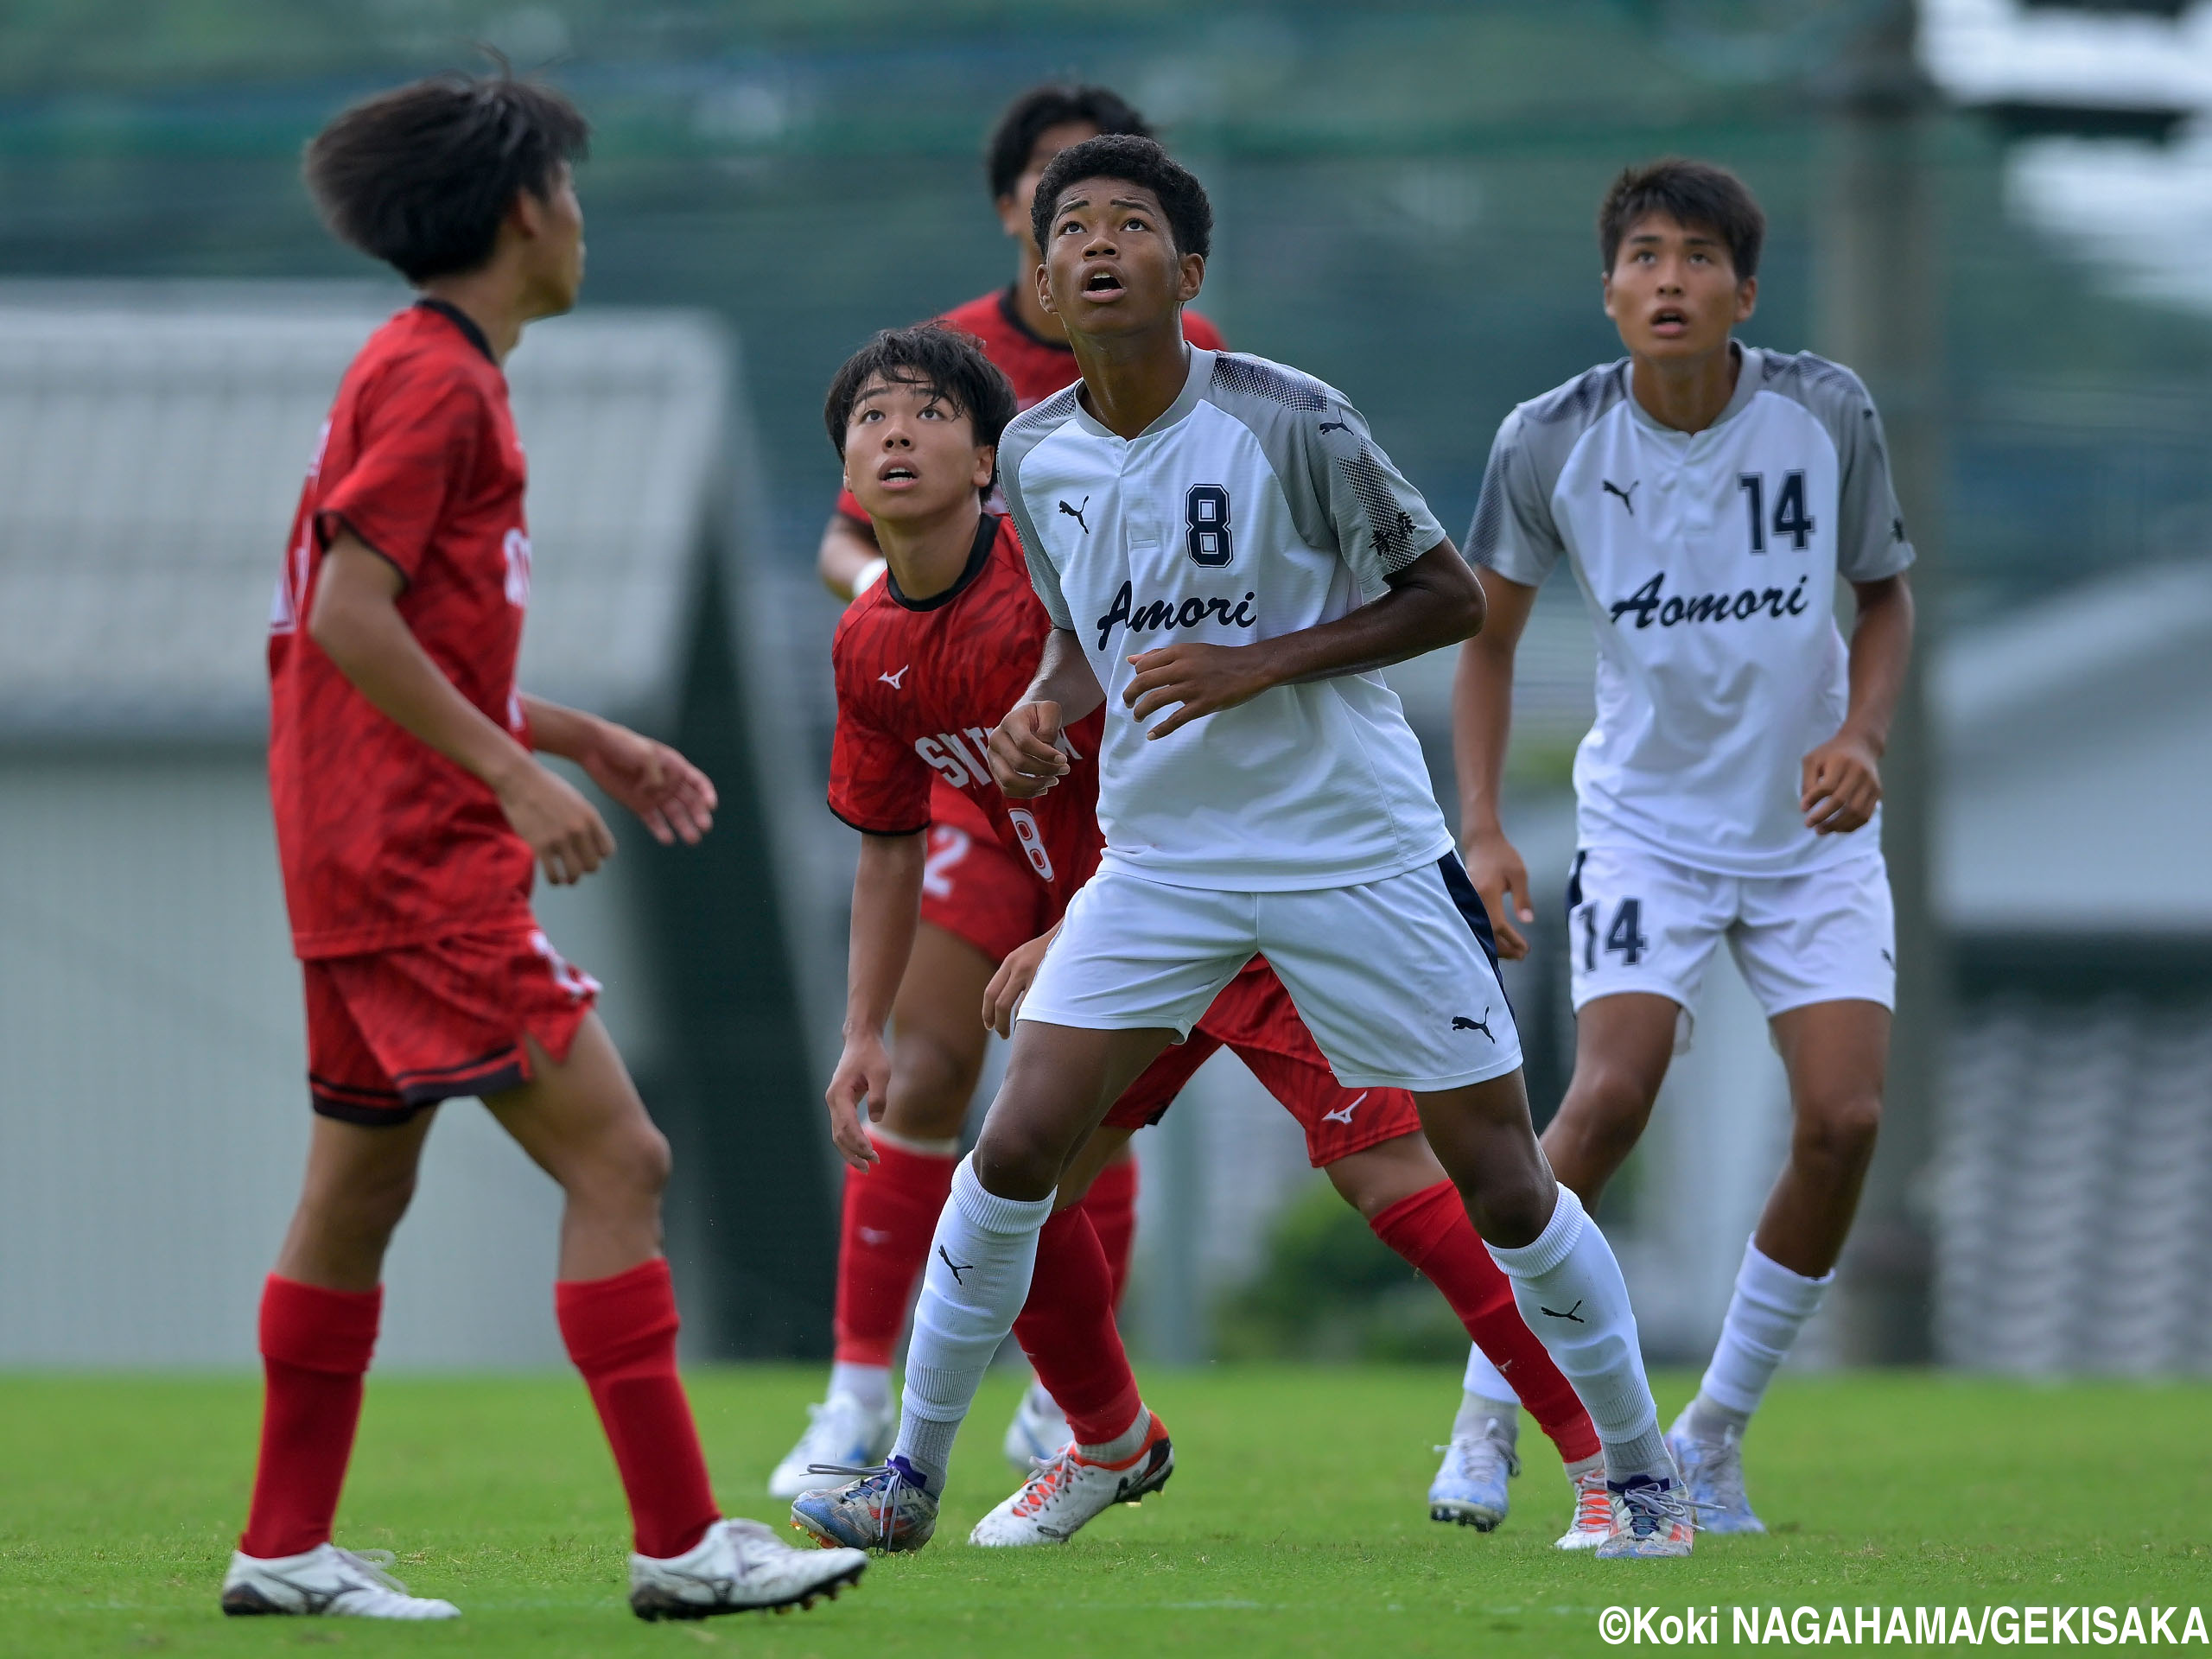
x=1593, y=1512
x=327, y=1581
x=1652, y=1518
x=1714, y=1472
x=841, y=1431
x=739, y=1566
x=1470, y=1488
x=1065, y=1492
x=1039, y=1429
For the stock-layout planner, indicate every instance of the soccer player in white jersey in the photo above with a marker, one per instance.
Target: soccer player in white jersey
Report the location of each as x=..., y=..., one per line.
x=1227, y=560
x=1707, y=495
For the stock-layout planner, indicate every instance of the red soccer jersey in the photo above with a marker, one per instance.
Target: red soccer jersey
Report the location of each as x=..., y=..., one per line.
x=384, y=842
x=1038, y=367
x=921, y=684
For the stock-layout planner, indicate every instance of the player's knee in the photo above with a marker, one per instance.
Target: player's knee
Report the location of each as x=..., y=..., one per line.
x=1837, y=1130
x=1018, y=1161
x=1511, y=1206
x=930, y=1086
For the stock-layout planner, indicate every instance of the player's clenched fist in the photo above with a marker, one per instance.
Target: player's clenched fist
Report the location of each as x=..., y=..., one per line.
x=563, y=829
x=1026, y=759
x=862, y=1082
x=1842, y=785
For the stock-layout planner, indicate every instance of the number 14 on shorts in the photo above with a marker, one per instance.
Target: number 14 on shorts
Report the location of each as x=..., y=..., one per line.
x=1624, y=933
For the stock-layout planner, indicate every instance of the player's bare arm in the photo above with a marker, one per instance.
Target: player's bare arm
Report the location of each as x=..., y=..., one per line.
x=1433, y=602
x=848, y=561
x=1843, y=778
x=887, y=908
x=673, y=799
x=1482, y=726
x=1026, y=755
x=357, y=623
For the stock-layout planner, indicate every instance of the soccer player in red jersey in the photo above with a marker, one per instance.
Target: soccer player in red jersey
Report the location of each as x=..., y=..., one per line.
x=410, y=814
x=921, y=659
x=978, y=901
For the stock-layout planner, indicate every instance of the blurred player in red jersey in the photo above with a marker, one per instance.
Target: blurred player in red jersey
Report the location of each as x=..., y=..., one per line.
x=921, y=659
x=411, y=814
x=978, y=902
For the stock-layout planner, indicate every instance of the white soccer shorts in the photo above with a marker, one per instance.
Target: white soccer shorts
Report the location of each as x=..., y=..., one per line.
x=1395, y=979
x=1640, y=921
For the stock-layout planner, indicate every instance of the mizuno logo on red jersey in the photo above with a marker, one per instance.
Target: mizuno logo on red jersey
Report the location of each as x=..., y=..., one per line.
x=892, y=680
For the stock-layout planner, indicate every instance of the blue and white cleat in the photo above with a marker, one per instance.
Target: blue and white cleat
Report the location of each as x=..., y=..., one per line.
x=1714, y=1472
x=841, y=1432
x=1038, y=1430
x=887, y=1508
x=1470, y=1488
x=1651, y=1520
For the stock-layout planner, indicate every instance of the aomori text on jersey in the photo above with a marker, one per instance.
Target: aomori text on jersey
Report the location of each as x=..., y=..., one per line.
x=1707, y=562
x=1257, y=505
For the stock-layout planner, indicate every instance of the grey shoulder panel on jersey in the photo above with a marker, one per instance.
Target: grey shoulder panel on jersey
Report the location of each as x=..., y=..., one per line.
x=1869, y=541
x=1513, y=533
x=1344, y=492
x=1027, y=431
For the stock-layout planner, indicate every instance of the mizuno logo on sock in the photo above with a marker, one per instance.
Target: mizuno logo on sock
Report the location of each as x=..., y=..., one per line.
x=1540, y=1308
x=959, y=1268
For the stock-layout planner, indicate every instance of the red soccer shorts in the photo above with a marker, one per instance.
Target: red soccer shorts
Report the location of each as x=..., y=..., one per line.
x=972, y=886
x=395, y=1031
x=1255, y=1019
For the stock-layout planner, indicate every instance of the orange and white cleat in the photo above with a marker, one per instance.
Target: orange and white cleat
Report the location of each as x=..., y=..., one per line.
x=1065, y=1491
x=1593, y=1512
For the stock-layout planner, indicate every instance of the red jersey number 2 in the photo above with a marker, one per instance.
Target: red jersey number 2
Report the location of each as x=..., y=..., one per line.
x=1031, y=839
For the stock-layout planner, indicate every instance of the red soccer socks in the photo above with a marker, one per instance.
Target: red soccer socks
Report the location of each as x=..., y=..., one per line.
x=1431, y=1231
x=1111, y=1203
x=622, y=1333
x=890, y=1214
x=1066, y=1327
x=316, y=1345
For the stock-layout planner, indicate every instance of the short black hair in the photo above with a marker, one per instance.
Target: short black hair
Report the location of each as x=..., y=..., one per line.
x=1689, y=192
x=1053, y=105
x=422, y=175
x=1133, y=161
x=951, y=365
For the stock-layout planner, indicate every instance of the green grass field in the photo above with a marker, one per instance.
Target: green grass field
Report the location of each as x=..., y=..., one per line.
x=1294, y=1523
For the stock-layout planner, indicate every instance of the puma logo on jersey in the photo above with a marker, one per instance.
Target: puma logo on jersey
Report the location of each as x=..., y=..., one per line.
x=892, y=680
x=1343, y=1113
x=1673, y=610
x=1627, y=496
x=1460, y=1022
x=1334, y=426
x=1076, y=513
x=1167, y=613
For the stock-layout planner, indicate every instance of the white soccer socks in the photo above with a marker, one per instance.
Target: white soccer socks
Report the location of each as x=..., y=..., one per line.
x=1770, y=1307
x=1569, y=1289
x=1486, y=1395
x=974, y=1284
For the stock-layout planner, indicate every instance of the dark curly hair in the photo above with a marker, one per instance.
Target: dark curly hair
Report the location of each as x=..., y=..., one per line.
x=1133, y=161
x=942, y=361
x=1054, y=105
x=1689, y=192
x=422, y=175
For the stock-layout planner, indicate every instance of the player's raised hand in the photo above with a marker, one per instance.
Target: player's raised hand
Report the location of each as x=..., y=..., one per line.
x=1495, y=868
x=1002, y=996
x=563, y=829
x=1205, y=679
x=861, y=1082
x=673, y=798
x=1842, y=784
x=1025, y=756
